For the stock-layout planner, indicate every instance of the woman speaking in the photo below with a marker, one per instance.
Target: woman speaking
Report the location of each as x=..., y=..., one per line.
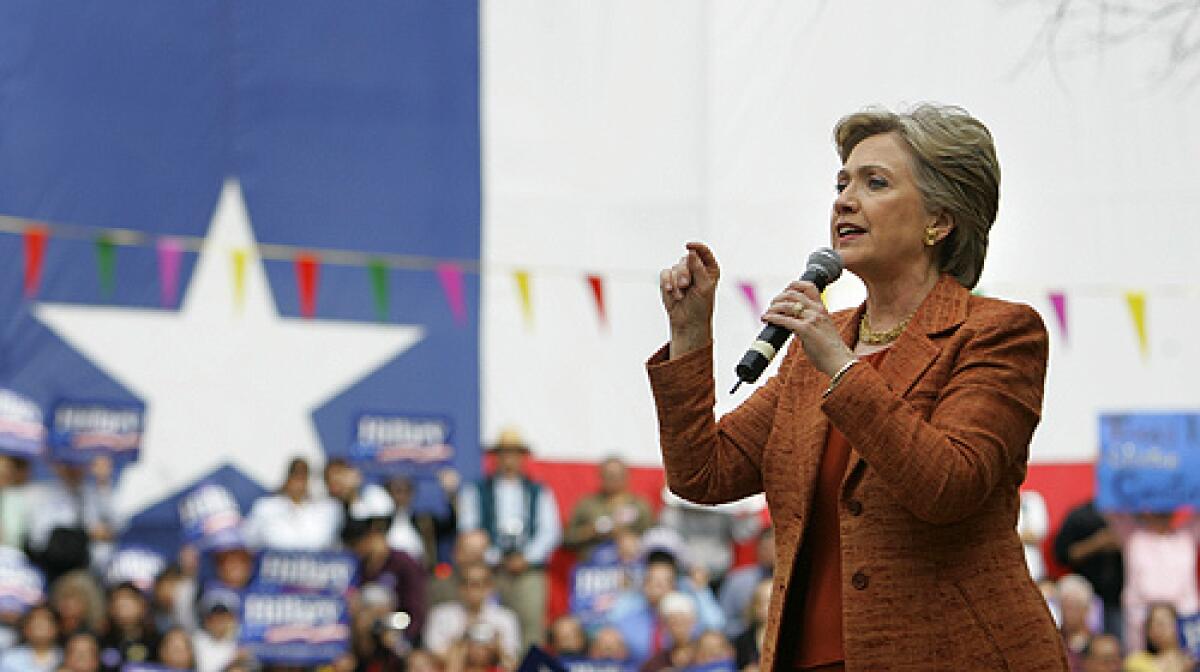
x=893, y=440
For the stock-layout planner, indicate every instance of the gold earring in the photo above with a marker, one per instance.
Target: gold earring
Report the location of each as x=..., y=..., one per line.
x=931, y=237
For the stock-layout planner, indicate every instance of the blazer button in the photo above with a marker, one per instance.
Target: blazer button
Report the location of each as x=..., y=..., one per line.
x=859, y=581
x=855, y=507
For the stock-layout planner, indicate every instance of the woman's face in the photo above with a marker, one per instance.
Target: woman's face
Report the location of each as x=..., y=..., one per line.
x=879, y=218
x=1163, y=629
x=175, y=651
x=40, y=629
x=81, y=654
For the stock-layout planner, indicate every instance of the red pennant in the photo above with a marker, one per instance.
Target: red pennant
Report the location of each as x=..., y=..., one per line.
x=597, y=284
x=35, y=251
x=307, y=272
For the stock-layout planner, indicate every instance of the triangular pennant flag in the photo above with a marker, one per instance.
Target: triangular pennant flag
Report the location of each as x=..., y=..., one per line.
x=597, y=284
x=106, y=265
x=1137, y=310
x=307, y=274
x=170, y=252
x=35, y=251
x=239, y=277
x=522, y=279
x=1059, y=301
x=747, y=288
x=379, y=288
x=450, y=275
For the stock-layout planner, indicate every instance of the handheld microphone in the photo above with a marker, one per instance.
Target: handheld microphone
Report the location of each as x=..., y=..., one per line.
x=824, y=266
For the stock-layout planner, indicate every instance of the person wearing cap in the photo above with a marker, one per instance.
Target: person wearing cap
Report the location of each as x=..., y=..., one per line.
x=521, y=518
x=216, y=642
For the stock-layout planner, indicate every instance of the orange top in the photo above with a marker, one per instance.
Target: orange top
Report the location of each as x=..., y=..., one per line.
x=820, y=637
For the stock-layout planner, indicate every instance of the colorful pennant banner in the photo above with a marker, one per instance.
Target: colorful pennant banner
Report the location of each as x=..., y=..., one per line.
x=751, y=296
x=379, y=289
x=238, y=259
x=1058, y=301
x=1136, y=301
x=106, y=265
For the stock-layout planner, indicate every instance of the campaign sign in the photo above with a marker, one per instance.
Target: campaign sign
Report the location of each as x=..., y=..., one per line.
x=307, y=572
x=293, y=629
x=715, y=666
x=1148, y=462
x=134, y=564
x=209, y=512
x=21, y=584
x=1189, y=631
x=388, y=443
x=598, y=665
x=80, y=431
x=594, y=590
x=21, y=430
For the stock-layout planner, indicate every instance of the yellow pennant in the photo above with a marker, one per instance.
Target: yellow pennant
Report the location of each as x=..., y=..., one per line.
x=522, y=278
x=1137, y=310
x=239, y=278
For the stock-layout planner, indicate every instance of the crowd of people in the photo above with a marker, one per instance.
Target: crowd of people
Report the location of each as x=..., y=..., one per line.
x=468, y=588
x=464, y=587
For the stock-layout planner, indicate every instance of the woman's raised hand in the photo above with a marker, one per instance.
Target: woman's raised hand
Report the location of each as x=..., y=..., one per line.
x=689, y=290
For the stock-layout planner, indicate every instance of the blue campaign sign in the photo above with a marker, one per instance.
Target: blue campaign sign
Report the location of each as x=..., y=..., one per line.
x=80, y=431
x=209, y=512
x=292, y=629
x=594, y=590
x=598, y=665
x=22, y=433
x=1189, y=631
x=1148, y=462
x=134, y=564
x=307, y=572
x=392, y=443
x=21, y=584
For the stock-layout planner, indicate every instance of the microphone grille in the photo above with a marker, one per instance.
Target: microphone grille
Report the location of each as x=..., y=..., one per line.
x=827, y=262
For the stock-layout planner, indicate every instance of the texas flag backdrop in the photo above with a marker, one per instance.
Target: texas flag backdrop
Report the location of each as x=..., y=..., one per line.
x=225, y=138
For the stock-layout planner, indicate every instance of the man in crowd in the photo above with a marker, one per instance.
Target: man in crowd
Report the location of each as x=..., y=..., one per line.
x=520, y=516
x=1090, y=548
x=396, y=570
x=449, y=621
x=294, y=519
x=599, y=516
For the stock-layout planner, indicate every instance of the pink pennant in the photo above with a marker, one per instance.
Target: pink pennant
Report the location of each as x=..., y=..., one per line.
x=1059, y=301
x=451, y=278
x=751, y=297
x=170, y=253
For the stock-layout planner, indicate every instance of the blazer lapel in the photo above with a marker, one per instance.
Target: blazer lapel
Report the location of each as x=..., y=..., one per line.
x=913, y=352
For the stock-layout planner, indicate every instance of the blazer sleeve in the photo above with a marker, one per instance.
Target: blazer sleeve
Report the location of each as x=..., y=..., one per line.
x=942, y=470
x=706, y=461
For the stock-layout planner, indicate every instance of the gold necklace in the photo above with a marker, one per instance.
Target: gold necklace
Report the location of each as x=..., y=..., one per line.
x=869, y=336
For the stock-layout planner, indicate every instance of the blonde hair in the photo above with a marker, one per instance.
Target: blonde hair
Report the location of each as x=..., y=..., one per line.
x=956, y=170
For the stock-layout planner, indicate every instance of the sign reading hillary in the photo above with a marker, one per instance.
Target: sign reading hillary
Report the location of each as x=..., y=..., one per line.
x=21, y=431
x=21, y=584
x=208, y=512
x=135, y=564
x=291, y=629
x=82, y=431
x=402, y=444
x=594, y=590
x=1148, y=462
x=307, y=572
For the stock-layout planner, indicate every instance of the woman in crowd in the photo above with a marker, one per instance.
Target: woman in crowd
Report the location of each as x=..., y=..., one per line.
x=893, y=441
x=38, y=651
x=1163, y=653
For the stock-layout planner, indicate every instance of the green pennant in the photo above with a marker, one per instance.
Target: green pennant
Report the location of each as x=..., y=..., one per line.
x=379, y=288
x=106, y=264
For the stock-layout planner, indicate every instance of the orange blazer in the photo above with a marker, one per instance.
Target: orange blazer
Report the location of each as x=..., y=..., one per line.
x=934, y=577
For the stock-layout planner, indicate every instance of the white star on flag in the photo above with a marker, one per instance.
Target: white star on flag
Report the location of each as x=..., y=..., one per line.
x=223, y=383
